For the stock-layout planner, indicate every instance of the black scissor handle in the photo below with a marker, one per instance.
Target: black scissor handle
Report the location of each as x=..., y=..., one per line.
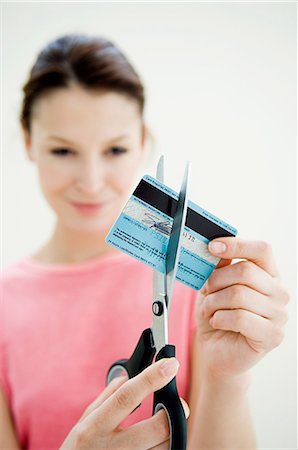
x=141, y=358
x=167, y=398
x=116, y=370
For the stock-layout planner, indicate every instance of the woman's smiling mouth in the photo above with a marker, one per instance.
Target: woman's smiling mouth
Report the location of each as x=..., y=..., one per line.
x=87, y=208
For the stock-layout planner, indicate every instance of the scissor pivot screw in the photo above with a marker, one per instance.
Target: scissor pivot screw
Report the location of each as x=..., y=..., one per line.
x=157, y=308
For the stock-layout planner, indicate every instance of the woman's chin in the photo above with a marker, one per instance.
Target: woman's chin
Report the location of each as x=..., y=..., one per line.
x=99, y=227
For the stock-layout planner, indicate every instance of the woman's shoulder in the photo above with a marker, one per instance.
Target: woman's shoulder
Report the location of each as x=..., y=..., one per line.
x=14, y=281
x=13, y=270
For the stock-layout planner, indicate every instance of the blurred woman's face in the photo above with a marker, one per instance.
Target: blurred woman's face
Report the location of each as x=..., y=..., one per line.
x=87, y=147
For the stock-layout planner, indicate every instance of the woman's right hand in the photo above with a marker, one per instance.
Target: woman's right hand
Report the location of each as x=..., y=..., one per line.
x=99, y=427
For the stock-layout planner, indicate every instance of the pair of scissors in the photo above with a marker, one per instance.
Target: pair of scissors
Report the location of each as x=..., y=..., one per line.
x=155, y=339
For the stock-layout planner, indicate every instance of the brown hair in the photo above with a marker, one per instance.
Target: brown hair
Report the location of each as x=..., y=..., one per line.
x=92, y=62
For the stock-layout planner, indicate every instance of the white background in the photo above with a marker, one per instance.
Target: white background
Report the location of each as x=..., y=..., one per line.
x=221, y=87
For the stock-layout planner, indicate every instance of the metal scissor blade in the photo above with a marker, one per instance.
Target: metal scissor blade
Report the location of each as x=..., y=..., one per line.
x=174, y=245
x=159, y=322
x=160, y=169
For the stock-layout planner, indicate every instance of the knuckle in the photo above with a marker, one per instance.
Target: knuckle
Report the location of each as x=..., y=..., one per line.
x=200, y=310
x=207, y=304
x=237, y=295
x=82, y=436
x=217, y=317
x=245, y=270
x=240, y=320
x=264, y=247
x=278, y=336
x=125, y=397
x=205, y=288
x=240, y=246
x=286, y=296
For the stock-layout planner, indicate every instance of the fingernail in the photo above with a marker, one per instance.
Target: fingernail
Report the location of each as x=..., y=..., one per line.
x=169, y=367
x=217, y=247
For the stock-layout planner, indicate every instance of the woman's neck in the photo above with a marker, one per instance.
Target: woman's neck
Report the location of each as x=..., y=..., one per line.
x=67, y=246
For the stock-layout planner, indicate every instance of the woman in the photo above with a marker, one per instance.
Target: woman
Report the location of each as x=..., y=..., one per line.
x=77, y=305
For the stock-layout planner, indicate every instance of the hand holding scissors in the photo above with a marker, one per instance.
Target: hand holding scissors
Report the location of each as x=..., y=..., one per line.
x=155, y=339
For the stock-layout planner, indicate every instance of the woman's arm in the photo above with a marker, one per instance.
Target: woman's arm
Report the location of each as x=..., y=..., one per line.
x=8, y=439
x=219, y=412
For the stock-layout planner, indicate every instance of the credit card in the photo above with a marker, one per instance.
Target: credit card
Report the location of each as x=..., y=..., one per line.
x=143, y=228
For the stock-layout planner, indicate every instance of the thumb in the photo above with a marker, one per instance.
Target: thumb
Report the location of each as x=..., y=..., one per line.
x=222, y=262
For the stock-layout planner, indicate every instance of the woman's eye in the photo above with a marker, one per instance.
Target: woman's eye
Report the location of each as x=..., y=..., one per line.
x=61, y=151
x=116, y=150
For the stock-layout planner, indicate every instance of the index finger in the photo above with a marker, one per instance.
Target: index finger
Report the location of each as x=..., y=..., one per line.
x=119, y=405
x=259, y=252
x=109, y=390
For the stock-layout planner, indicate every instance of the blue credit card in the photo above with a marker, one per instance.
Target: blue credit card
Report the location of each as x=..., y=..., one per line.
x=143, y=228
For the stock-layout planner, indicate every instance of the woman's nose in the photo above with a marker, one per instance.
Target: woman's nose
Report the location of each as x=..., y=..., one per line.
x=91, y=177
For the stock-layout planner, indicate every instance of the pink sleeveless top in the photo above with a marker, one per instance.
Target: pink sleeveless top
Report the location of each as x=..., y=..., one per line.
x=62, y=326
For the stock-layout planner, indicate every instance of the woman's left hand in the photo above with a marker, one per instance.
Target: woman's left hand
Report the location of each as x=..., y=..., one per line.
x=241, y=309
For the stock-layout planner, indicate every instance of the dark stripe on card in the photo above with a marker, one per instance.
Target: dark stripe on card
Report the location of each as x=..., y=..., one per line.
x=168, y=205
